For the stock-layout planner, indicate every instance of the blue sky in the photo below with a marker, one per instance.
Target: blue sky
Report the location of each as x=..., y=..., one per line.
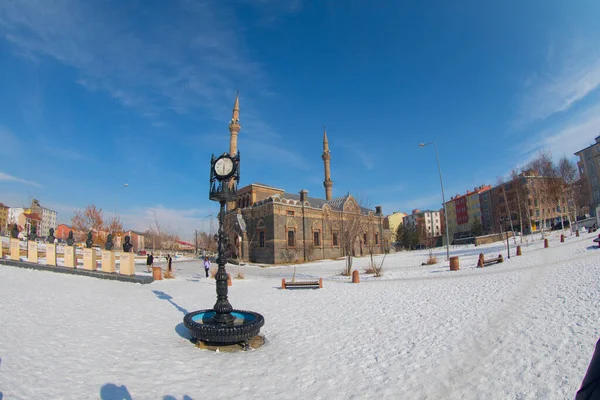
x=97, y=94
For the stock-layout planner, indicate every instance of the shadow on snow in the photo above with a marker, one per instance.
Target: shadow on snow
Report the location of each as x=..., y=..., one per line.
x=110, y=391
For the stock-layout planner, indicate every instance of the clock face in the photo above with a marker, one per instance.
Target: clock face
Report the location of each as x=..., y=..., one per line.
x=223, y=167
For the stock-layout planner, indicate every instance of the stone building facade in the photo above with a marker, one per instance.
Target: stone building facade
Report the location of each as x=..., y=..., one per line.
x=268, y=225
x=274, y=227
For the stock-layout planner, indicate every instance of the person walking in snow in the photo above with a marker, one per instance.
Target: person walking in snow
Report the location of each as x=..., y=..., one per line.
x=206, y=266
x=148, y=263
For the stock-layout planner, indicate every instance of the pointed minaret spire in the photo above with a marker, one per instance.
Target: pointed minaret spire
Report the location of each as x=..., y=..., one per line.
x=325, y=142
x=236, y=107
x=234, y=125
x=327, y=183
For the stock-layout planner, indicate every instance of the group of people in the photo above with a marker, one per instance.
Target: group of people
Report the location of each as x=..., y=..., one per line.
x=150, y=262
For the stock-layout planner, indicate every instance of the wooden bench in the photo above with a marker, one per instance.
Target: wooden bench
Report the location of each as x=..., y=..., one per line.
x=302, y=284
x=483, y=262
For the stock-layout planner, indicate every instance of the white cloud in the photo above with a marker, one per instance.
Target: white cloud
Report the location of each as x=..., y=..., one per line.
x=272, y=154
x=10, y=143
x=65, y=153
x=9, y=178
x=558, y=86
x=564, y=139
x=182, y=222
x=360, y=154
x=429, y=201
x=194, y=62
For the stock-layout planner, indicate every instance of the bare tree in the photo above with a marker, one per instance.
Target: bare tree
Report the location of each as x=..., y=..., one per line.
x=567, y=171
x=113, y=225
x=544, y=167
x=507, y=201
x=427, y=240
x=88, y=219
x=207, y=242
x=519, y=185
x=350, y=231
x=161, y=238
x=373, y=242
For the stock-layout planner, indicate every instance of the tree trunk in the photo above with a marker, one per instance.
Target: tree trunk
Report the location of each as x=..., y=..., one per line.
x=543, y=223
x=520, y=208
x=508, y=211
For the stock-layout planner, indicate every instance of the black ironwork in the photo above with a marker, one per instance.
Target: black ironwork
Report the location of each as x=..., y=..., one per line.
x=222, y=307
x=127, y=246
x=226, y=189
x=505, y=220
x=223, y=190
x=222, y=324
x=51, y=236
x=14, y=233
x=109, y=242
x=70, y=239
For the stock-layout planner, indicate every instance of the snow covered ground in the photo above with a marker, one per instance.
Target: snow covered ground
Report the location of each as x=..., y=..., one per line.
x=524, y=329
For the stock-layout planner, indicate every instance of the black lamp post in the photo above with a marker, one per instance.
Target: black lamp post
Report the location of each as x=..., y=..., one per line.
x=222, y=324
x=224, y=177
x=504, y=220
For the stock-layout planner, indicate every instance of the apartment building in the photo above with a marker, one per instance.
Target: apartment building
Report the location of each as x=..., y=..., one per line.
x=392, y=222
x=428, y=218
x=48, y=217
x=589, y=168
x=464, y=209
x=3, y=217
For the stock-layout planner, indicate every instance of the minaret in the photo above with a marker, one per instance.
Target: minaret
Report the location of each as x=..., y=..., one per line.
x=328, y=183
x=234, y=129
x=234, y=126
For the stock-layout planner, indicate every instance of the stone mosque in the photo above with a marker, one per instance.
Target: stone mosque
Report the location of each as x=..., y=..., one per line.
x=271, y=226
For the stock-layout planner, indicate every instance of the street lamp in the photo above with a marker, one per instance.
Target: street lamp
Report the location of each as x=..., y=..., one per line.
x=443, y=197
x=504, y=221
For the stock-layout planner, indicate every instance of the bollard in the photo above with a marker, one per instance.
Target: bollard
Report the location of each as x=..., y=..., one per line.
x=320, y=283
x=283, y=283
x=355, y=277
x=501, y=258
x=229, y=280
x=480, y=262
x=562, y=238
x=545, y=243
x=454, y=265
x=577, y=233
x=519, y=251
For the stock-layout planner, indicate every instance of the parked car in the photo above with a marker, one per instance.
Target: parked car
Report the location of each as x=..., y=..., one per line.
x=142, y=253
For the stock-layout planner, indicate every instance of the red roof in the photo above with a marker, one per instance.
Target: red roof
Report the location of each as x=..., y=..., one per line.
x=33, y=216
x=183, y=243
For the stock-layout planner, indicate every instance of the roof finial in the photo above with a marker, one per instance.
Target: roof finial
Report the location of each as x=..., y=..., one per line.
x=236, y=108
x=325, y=141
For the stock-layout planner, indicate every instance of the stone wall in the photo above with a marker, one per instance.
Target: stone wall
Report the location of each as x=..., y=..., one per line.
x=491, y=238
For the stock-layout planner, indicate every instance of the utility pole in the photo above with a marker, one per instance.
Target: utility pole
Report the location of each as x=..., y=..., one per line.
x=196, y=232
